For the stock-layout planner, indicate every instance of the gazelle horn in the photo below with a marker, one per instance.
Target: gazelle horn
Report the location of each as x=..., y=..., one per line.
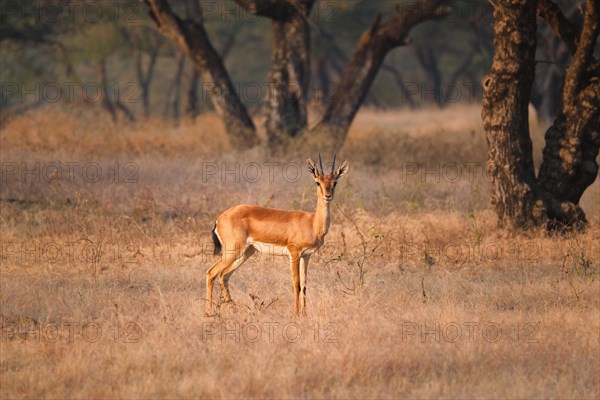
x=333, y=165
x=321, y=163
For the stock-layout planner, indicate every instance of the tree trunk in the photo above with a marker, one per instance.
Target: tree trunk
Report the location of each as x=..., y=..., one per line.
x=192, y=107
x=569, y=165
x=289, y=76
x=193, y=11
x=115, y=104
x=144, y=78
x=106, y=102
x=173, y=100
x=572, y=142
x=289, y=79
x=429, y=63
x=191, y=38
x=505, y=113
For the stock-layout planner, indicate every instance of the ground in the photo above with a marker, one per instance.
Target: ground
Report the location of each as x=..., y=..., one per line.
x=106, y=240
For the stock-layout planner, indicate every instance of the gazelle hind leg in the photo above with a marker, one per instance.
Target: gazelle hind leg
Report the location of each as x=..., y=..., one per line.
x=214, y=271
x=226, y=273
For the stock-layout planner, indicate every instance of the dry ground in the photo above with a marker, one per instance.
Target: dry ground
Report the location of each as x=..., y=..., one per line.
x=417, y=294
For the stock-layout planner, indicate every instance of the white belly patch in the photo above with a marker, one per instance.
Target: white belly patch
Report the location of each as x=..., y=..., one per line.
x=269, y=249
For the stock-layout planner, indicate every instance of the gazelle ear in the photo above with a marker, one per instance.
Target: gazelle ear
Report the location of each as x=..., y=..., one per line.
x=342, y=169
x=312, y=167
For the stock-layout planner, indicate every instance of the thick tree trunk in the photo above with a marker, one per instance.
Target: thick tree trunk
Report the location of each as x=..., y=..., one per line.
x=289, y=76
x=572, y=142
x=569, y=165
x=505, y=118
x=368, y=57
x=289, y=80
x=192, y=39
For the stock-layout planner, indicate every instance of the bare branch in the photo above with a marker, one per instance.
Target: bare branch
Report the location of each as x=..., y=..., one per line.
x=192, y=39
x=584, y=55
x=407, y=16
x=278, y=10
x=556, y=20
x=369, y=54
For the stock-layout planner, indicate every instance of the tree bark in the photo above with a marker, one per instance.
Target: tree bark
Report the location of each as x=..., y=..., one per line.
x=191, y=38
x=368, y=57
x=558, y=42
x=505, y=113
x=569, y=165
x=553, y=16
x=289, y=75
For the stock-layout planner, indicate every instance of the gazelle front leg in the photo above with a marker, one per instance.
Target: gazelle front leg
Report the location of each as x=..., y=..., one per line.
x=303, y=270
x=295, y=264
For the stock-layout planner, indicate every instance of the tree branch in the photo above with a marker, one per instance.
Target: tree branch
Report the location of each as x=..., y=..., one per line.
x=279, y=10
x=556, y=20
x=584, y=55
x=192, y=39
x=368, y=57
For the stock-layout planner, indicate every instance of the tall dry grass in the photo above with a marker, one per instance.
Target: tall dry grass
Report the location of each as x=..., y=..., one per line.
x=416, y=293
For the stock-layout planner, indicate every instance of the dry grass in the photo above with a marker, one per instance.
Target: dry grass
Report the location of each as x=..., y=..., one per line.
x=417, y=294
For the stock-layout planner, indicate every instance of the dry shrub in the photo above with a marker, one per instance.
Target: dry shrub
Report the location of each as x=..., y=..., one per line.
x=89, y=132
x=424, y=136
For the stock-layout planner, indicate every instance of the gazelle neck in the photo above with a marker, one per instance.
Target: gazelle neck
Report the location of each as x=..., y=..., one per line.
x=321, y=220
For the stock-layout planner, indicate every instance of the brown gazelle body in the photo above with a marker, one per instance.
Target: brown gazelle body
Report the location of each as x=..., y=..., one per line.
x=244, y=229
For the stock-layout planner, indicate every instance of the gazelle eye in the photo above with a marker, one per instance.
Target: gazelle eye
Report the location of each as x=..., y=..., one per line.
x=335, y=184
x=317, y=183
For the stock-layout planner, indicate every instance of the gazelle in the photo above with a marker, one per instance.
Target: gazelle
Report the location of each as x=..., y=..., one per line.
x=243, y=229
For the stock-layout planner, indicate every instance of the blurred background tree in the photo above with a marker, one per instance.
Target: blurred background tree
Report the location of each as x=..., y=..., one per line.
x=111, y=55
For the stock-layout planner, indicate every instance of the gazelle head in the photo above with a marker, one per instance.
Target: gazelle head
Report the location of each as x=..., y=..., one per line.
x=326, y=182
